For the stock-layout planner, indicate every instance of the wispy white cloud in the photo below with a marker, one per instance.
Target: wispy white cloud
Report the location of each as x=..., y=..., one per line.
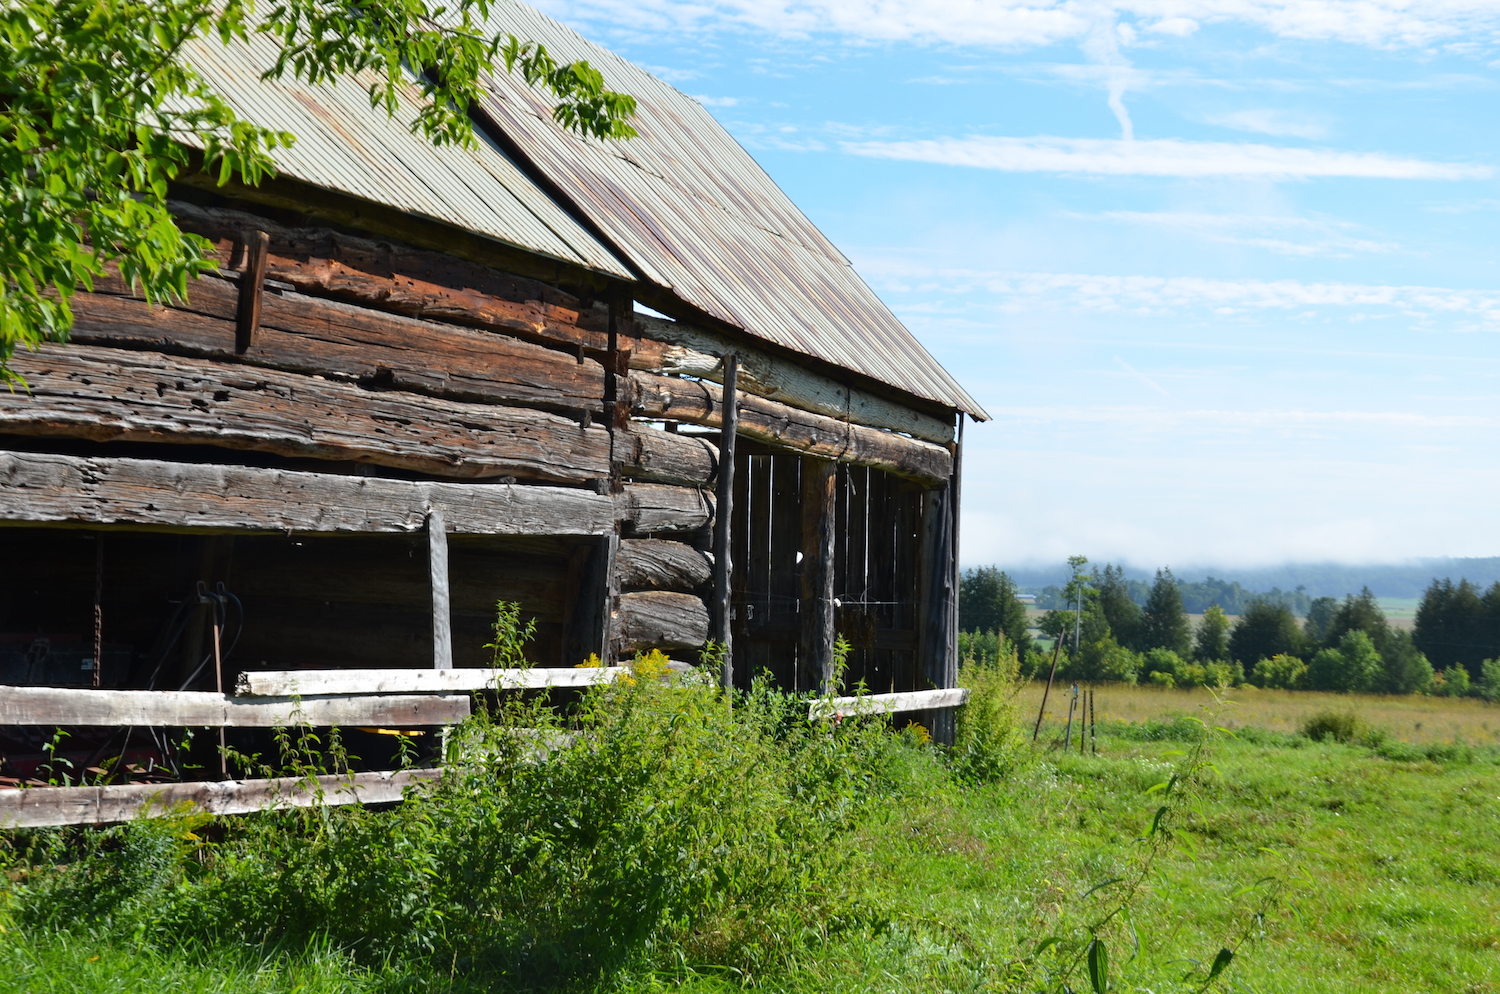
x=1164, y=294
x=1212, y=421
x=1264, y=121
x=1293, y=236
x=1030, y=23
x=1161, y=157
x=718, y=101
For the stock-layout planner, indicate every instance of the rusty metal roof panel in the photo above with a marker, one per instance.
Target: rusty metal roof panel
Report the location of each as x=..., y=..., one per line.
x=346, y=145
x=694, y=212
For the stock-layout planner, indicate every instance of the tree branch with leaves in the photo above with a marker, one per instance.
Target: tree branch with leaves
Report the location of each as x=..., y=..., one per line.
x=100, y=111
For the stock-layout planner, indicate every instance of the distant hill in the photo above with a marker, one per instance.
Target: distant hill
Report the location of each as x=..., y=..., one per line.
x=1316, y=579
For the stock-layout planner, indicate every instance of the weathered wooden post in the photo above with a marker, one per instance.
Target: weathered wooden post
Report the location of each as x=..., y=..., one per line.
x=442, y=618
x=819, y=489
x=723, y=632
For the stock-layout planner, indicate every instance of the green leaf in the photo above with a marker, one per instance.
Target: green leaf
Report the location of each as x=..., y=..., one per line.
x=1098, y=963
x=1221, y=961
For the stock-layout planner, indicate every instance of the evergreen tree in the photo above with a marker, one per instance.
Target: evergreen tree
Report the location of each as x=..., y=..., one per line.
x=1319, y=619
x=988, y=602
x=1119, y=610
x=1164, y=623
x=1458, y=627
x=1211, y=643
x=1263, y=631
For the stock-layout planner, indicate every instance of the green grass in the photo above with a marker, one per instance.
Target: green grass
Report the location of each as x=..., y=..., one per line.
x=1392, y=871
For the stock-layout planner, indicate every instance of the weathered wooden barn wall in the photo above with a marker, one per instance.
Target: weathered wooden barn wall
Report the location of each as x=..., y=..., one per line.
x=570, y=446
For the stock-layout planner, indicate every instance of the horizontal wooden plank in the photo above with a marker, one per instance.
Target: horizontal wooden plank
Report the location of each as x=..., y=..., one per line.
x=112, y=394
x=401, y=278
x=696, y=351
x=786, y=427
x=915, y=700
x=659, y=619
x=304, y=334
x=45, y=807
x=286, y=683
x=657, y=509
x=654, y=564
x=43, y=488
x=189, y=709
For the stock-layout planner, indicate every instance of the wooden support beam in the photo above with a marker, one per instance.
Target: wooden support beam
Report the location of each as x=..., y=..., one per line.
x=660, y=619
x=819, y=488
x=793, y=430
x=698, y=352
x=937, y=595
x=252, y=289
x=44, y=488
x=189, y=709
x=113, y=395
x=916, y=700
x=723, y=628
x=46, y=807
x=442, y=615
x=287, y=683
x=654, y=564
x=302, y=334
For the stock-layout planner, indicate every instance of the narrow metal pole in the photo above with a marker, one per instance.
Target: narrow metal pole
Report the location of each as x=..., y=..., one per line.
x=1072, y=706
x=442, y=618
x=1056, y=648
x=723, y=512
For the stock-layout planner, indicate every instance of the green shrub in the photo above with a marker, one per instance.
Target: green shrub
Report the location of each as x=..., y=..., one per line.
x=1282, y=672
x=987, y=744
x=1354, y=666
x=1488, y=684
x=1452, y=682
x=1340, y=726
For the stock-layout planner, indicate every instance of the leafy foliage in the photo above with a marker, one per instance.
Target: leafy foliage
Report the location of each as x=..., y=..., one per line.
x=987, y=602
x=100, y=110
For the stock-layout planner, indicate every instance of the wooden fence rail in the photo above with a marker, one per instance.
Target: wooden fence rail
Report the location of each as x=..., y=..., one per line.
x=191, y=709
x=44, y=807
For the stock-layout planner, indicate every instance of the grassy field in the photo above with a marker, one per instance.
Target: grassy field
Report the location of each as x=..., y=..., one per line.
x=1412, y=718
x=1374, y=876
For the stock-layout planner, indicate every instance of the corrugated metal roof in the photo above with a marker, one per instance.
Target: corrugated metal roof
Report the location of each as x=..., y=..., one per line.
x=344, y=144
x=695, y=213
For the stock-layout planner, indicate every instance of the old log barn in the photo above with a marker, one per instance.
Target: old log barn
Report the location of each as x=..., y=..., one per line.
x=627, y=385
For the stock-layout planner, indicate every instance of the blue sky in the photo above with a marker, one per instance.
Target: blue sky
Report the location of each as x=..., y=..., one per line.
x=1224, y=271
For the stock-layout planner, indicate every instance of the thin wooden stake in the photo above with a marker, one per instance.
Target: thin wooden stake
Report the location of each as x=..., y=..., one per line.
x=1093, y=725
x=1072, y=706
x=1056, y=648
x=723, y=512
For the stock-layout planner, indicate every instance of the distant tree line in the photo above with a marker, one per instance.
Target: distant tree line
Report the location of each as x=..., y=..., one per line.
x=1106, y=630
x=1197, y=596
